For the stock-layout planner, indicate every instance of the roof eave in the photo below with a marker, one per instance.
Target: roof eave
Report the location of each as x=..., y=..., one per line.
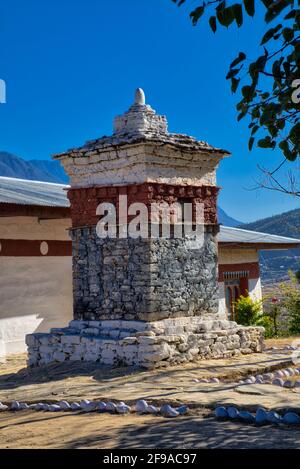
x=9, y=209
x=260, y=246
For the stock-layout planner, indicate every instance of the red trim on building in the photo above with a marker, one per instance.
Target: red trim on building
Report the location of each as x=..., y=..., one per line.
x=35, y=248
x=84, y=201
x=252, y=268
x=40, y=211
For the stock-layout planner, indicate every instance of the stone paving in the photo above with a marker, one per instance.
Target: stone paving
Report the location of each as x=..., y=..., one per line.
x=76, y=381
x=56, y=431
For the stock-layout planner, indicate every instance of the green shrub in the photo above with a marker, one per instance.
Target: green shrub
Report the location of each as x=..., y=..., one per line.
x=247, y=311
x=291, y=301
x=294, y=316
x=266, y=322
x=274, y=314
x=297, y=276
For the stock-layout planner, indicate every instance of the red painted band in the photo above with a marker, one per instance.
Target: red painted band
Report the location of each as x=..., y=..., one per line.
x=251, y=267
x=84, y=201
x=35, y=248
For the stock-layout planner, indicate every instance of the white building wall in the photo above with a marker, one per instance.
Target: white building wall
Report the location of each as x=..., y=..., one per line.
x=238, y=256
x=35, y=292
x=35, y=295
x=255, y=289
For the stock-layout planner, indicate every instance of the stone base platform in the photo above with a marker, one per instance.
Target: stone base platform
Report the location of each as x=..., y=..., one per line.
x=144, y=344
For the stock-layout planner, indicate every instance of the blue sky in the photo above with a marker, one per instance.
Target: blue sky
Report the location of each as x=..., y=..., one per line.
x=71, y=65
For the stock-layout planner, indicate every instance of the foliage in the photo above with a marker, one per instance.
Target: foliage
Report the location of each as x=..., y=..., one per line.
x=267, y=96
x=266, y=321
x=272, y=319
x=297, y=275
x=247, y=311
x=291, y=301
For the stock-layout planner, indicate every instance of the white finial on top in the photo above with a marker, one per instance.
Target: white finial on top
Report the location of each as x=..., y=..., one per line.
x=140, y=119
x=140, y=97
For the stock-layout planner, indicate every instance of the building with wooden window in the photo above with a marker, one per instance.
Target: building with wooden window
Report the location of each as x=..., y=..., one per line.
x=36, y=261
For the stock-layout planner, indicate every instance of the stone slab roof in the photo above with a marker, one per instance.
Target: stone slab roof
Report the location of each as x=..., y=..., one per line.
x=141, y=124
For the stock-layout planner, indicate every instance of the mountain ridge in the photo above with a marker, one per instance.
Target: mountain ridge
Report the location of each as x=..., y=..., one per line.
x=275, y=264
x=33, y=170
x=282, y=224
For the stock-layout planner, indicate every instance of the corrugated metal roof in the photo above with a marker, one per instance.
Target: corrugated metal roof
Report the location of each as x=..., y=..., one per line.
x=238, y=235
x=21, y=191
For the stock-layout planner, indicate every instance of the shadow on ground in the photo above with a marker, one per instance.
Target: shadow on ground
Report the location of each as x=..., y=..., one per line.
x=228, y=370
x=189, y=433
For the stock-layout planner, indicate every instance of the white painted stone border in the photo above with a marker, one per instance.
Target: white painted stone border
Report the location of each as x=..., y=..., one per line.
x=140, y=407
x=261, y=417
x=275, y=378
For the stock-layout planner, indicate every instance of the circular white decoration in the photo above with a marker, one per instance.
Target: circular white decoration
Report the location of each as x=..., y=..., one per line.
x=44, y=248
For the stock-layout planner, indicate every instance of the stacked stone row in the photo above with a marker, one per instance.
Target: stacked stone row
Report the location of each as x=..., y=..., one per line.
x=261, y=417
x=149, y=345
x=141, y=407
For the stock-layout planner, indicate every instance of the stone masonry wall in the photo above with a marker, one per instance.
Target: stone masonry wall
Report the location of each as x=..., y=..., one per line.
x=144, y=279
x=147, y=345
x=143, y=302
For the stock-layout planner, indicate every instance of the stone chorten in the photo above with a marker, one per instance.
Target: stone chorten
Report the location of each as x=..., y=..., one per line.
x=146, y=302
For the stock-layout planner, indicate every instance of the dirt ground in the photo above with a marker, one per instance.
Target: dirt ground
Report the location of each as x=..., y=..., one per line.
x=30, y=430
x=198, y=429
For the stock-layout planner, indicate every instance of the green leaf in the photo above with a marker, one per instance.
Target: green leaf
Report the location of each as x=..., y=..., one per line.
x=254, y=129
x=179, y=2
x=232, y=73
x=224, y=15
x=241, y=115
x=240, y=58
x=255, y=113
x=228, y=16
x=261, y=63
x=284, y=146
x=266, y=37
x=234, y=84
x=281, y=124
x=270, y=34
x=238, y=14
x=267, y=3
x=266, y=142
x=196, y=14
x=290, y=15
x=250, y=143
x=275, y=8
x=250, y=7
x=288, y=34
x=247, y=92
x=213, y=23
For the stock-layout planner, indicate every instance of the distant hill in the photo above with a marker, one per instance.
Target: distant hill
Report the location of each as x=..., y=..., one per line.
x=35, y=170
x=275, y=264
x=226, y=220
x=53, y=168
x=284, y=224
